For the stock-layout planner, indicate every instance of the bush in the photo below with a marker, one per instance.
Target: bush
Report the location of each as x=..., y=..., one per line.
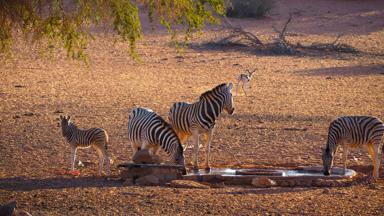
x=249, y=8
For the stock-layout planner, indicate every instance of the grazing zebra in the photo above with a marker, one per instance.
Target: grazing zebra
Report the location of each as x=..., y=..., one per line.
x=244, y=80
x=80, y=138
x=200, y=117
x=147, y=130
x=354, y=131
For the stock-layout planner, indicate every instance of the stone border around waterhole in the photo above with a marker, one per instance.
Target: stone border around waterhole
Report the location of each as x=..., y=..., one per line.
x=273, y=178
x=161, y=174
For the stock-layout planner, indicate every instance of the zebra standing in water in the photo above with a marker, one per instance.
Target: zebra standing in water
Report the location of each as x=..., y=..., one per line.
x=354, y=131
x=200, y=117
x=147, y=130
x=80, y=138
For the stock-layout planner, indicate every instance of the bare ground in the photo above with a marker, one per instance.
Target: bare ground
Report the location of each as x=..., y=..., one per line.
x=283, y=123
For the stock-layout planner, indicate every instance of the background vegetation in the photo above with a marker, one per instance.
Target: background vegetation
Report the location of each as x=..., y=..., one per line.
x=67, y=23
x=249, y=8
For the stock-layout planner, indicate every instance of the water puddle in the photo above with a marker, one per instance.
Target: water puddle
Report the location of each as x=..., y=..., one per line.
x=271, y=172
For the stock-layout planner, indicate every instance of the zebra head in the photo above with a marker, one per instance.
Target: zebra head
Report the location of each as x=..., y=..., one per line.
x=327, y=161
x=228, y=103
x=64, y=122
x=181, y=161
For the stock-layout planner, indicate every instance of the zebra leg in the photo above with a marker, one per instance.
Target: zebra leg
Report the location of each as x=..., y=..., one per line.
x=108, y=160
x=372, y=154
x=345, y=157
x=208, y=148
x=195, y=135
x=378, y=153
x=135, y=148
x=73, y=157
x=183, y=137
x=245, y=92
x=100, y=153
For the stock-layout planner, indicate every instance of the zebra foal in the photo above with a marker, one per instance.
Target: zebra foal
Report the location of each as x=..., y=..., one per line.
x=354, y=131
x=200, y=117
x=147, y=130
x=85, y=138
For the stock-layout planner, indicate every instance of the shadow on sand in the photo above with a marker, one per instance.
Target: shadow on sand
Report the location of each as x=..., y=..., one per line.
x=22, y=184
x=358, y=70
x=281, y=118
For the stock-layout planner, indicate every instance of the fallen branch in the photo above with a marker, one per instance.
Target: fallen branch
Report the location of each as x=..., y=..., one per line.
x=237, y=31
x=334, y=46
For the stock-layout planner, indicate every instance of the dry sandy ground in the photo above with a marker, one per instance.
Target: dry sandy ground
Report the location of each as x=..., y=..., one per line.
x=283, y=123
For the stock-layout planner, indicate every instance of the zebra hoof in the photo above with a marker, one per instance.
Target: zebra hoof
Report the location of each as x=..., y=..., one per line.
x=207, y=169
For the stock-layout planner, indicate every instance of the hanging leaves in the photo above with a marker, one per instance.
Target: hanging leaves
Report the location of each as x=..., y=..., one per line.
x=66, y=23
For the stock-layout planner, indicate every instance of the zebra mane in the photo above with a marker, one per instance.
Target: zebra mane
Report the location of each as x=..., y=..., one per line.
x=217, y=88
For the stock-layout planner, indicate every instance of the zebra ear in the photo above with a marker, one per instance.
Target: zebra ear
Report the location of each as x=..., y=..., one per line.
x=69, y=117
x=61, y=117
x=230, y=86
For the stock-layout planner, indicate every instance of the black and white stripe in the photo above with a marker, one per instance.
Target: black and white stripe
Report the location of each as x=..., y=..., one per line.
x=354, y=131
x=147, y=130
x=85, y=138
x=200, y=117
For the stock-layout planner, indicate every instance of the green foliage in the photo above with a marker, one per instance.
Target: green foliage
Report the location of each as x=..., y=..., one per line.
x=66, y=23
x=249, y=8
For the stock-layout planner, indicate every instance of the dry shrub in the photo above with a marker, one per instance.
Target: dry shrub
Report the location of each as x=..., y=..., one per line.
x=249, y=8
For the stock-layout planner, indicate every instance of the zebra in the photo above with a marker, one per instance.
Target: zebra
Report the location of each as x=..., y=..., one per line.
x=244, y=80
x=149, y=131
x=85, y=138
x=354, y=131
x=200, y=117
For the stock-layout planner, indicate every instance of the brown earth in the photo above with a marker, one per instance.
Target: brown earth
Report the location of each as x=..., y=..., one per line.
x=282, y=123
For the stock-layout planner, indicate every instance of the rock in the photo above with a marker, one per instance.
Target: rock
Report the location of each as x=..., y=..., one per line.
x=263, y=182
x=187, y=184
x=374, y=187
x=326, y=191
x=21, y=213
x=148, y=180
x=29, y=114
x=144, y=157
x=143, y=174
x=128, y=182
x=7, y=209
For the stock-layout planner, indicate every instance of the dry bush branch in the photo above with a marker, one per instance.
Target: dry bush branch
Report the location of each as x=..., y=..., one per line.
x=283, y=31
x=334, y=46
x=237, y=31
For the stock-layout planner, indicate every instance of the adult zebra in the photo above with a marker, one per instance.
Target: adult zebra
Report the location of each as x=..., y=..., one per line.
x=354, y=131
x=85, y=138
x=200, y=117
x=147, y=130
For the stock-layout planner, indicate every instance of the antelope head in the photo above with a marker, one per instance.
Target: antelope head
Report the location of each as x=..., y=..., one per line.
x=250, y=73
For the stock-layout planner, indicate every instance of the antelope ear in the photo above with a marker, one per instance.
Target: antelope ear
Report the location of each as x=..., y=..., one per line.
x=230, y=86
